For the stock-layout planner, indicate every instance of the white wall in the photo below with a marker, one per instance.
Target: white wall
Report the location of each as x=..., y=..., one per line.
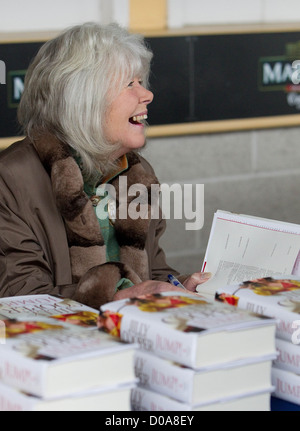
x=253, y=172
x=40, y=15
x=204, y=12
x=37, y=15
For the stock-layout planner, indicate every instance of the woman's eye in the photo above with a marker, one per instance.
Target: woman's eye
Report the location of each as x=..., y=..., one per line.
x=140, y=81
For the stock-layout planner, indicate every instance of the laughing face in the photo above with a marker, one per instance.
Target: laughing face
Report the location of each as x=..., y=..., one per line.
x=125, y=119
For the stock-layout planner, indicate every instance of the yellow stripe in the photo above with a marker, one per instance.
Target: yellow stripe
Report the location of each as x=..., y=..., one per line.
x=147, y=14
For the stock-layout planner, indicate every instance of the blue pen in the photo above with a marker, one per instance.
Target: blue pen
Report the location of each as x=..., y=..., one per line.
x=173, y=280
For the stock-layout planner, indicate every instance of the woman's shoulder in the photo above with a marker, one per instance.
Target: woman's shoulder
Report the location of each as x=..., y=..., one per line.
x=18, y=151
x=20, y=163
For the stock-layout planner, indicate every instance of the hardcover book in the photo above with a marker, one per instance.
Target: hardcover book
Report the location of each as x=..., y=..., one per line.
x=277, y=298
x=205, y=385
x=287, y=385
x=188, y=329
x=145, y=400
x=102, y=399
x=288, y=357
x=55, y=307
x=51, y=347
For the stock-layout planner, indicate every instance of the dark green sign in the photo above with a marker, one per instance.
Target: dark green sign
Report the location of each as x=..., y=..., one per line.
x=280, y=73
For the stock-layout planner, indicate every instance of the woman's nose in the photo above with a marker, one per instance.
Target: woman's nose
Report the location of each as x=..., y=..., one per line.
x=146, y=96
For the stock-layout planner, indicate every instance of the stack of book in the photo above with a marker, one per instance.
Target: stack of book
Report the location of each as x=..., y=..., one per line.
x=195, y=354
x=279, y=298
x=265, y=251
x=52, y=357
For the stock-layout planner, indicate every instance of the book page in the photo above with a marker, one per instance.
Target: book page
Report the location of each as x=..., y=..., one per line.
x=242, y=248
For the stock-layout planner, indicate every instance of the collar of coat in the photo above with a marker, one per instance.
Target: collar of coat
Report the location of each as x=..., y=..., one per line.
x=96, y=278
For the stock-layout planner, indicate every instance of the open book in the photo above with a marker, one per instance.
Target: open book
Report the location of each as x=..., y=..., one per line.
x=243, y=247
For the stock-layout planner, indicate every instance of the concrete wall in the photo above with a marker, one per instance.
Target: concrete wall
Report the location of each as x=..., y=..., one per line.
x=255, y=173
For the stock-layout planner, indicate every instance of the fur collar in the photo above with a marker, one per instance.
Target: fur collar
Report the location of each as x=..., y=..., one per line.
x=95, y=278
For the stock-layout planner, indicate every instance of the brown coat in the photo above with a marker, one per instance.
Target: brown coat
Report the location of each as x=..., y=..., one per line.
x=34, y=250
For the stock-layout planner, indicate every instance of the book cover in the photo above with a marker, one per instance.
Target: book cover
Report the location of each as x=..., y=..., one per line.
x=188, y=329
x=59, y=351
x=274, y=297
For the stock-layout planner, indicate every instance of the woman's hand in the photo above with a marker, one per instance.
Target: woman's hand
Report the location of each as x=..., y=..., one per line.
x=150, y=287
x=144, y=288
x=195, y=279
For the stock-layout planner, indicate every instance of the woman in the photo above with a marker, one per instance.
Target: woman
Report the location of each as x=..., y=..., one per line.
x=83, y=111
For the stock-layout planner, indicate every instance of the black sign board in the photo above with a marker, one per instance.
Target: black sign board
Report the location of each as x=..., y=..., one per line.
x=195, y=78
x=16, y=57
x=222, y=77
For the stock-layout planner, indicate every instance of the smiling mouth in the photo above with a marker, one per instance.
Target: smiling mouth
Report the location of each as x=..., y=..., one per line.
x=138, y=119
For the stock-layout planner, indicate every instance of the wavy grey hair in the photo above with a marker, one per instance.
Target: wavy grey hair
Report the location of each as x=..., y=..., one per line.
x=71, y=82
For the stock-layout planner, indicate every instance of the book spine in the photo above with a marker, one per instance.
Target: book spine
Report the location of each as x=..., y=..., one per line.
x=162, y=376
x=287, y=385
x=284, y=328
x=288, y=356
x=285, y=320
x=144, y=400
x=166, y=342
x=22, y=373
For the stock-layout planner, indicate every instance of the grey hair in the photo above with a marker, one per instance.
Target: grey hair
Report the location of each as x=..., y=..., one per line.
x=71, y=82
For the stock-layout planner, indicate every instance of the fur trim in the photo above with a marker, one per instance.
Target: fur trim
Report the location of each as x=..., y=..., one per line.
x=98, y=285
x=97, y=278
